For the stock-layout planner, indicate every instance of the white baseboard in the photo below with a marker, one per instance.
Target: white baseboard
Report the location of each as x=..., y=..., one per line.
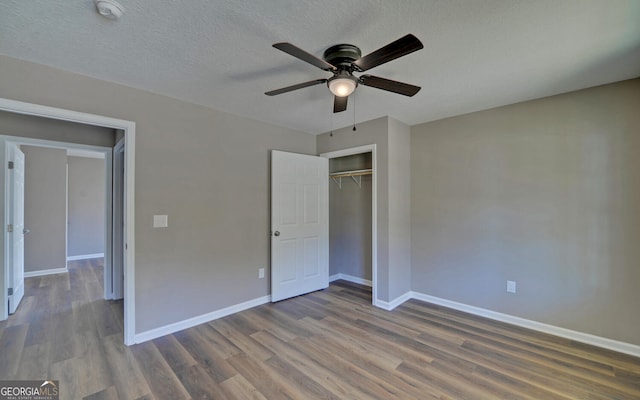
x=200, y=319
x=615, y=345
x=622, y=347
x=350, y=278
x=85, y=257
x=43, y=272
x=390, y=305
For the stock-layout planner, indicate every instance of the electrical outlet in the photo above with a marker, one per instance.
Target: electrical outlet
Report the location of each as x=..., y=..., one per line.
x=260, y=273
x=511, y=286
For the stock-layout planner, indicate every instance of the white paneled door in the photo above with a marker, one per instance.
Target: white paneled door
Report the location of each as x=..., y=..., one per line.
x=16, y=227
x=299, y=224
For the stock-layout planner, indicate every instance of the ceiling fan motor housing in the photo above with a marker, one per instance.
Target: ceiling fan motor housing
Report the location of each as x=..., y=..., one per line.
x=342, y=55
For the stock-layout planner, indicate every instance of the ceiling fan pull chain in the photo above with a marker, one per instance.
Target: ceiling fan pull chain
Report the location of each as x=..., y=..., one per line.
x=354, y=112
x=331, y=124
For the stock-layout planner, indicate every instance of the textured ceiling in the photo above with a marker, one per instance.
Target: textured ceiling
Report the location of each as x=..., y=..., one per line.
x=478, y=54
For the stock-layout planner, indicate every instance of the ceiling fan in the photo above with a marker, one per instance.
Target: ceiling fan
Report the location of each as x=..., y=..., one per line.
x=344, y=59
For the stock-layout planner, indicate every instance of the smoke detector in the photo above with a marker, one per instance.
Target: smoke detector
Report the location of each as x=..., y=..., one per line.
x=109, y=8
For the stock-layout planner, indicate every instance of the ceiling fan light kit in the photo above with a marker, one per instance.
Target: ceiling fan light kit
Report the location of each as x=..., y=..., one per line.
x=343, y=60
x=342, y=87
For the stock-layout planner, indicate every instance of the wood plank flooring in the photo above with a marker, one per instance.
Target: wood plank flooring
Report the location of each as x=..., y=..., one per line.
x=330, y=344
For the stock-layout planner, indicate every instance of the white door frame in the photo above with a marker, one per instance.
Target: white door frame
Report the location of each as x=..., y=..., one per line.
x=115, y=281
x=128, y=127
x=370, y=148
x=108, y=205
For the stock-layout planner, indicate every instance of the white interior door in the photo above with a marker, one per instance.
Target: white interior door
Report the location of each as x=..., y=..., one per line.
x=17, y=230
x=299, y=224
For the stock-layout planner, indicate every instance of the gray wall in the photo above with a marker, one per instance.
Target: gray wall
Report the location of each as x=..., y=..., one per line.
x=545, y=193
x=12, y=124
x=86, y=208
x=399, y=187
x=207, y=170
x=350, y=221
x=45, y=208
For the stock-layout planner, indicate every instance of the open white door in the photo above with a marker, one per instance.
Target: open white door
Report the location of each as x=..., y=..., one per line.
x=16, y=226
x=299, y=224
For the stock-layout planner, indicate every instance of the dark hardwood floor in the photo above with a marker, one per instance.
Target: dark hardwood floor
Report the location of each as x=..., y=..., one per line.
x=330, y=344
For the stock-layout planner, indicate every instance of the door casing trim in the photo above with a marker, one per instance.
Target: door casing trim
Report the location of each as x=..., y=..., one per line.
x=129, y=128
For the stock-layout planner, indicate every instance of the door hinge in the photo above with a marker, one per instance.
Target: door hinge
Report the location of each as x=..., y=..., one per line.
x=10, y=164
x=10, y=228
x=10, y=291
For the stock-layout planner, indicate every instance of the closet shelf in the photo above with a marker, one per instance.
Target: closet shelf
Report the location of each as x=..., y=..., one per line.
x=337, y=176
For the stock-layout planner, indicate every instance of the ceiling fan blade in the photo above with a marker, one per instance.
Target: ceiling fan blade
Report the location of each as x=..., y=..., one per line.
x=389, y=85
x=340, y=104
x=401, y=47
x=304, y=56
x=295, y=87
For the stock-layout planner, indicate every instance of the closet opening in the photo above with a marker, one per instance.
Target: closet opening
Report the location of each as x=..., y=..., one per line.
x=352, y=216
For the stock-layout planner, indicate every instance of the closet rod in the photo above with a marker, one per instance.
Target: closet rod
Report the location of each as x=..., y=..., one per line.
x=337, y=176
x=344, y=174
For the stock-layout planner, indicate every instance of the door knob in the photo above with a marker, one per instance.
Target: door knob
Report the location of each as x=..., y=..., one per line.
x=25, y=231
x=276, y=233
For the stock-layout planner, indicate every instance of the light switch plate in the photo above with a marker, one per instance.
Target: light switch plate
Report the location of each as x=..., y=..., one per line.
x=511, y=286
x=160, y=221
